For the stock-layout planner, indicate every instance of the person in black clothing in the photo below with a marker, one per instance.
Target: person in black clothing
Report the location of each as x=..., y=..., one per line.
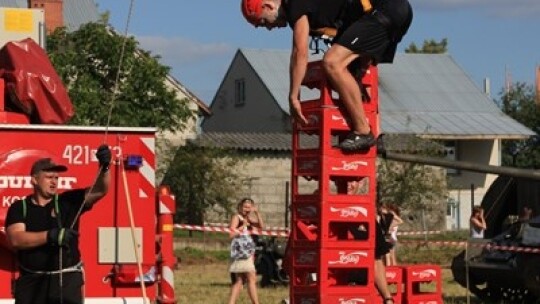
x=43, y=229
x=368, y=32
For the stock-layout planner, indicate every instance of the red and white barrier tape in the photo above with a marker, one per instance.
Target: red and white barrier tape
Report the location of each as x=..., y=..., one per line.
x=419, y=232
x=283, y=229
x=488, y=246
x=276, y=228
x=226, y=229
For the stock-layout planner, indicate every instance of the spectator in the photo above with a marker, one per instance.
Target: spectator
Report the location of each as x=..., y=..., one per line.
x=382, y=247
x=477, y=223
x=391, y=237
x=242, y=266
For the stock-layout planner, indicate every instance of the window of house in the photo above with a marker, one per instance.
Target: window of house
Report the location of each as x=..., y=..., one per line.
x=239, y=92
x=450, y=152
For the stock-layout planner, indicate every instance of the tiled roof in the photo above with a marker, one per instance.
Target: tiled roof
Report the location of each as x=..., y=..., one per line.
x=283, y=141
x=428, y=94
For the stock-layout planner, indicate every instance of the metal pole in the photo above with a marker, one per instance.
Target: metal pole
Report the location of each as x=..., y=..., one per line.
x=472, y=197
x=463, y=165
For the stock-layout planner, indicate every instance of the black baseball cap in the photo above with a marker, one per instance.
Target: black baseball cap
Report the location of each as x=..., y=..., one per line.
x=47, y=165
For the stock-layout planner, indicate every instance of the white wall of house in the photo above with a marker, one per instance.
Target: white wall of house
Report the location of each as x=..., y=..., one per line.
x=485, y=152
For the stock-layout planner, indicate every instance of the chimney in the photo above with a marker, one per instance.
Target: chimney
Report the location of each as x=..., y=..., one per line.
x=54, y=12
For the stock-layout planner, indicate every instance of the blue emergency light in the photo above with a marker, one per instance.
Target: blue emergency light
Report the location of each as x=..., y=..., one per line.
x=133, y=162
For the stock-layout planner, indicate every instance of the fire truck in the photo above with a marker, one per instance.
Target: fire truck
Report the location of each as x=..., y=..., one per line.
x=126, y=239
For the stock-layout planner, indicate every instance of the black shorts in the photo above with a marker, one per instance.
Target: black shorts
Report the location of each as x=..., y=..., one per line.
x=382, y=247
x=377, y=35
x=45, y=289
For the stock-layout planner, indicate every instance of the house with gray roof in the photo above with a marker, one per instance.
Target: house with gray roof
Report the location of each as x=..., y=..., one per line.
x=425, y=95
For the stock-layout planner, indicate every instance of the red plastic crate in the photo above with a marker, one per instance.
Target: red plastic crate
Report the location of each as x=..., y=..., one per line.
x=415, y=277
x=315, y=78
x=394, y=278
x=331, y=298
x=326, y=130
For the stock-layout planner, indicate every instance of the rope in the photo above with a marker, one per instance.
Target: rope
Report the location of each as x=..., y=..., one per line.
x=109, y=115
x=133, y=238
x=120, y=63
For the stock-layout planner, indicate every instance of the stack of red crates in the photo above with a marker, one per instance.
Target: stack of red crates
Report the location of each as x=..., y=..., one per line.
x=332, y=259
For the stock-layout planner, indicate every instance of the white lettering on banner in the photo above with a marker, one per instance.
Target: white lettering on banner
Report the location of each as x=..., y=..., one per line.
x=306, y=257
x=428, y=302
x=352, y=211
x=347, y=166
x=352, y=301
x=424, y=274
x=8, y=200
x=24, y=182
x=349, y=258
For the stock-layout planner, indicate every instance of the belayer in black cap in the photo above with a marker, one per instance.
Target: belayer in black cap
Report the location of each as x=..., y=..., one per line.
x=44, y=230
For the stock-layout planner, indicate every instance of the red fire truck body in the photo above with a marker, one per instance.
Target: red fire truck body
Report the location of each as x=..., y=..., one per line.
x=130, y=216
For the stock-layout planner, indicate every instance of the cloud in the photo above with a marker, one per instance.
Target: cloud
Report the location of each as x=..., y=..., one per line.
x=496, y=8
x=176, y=51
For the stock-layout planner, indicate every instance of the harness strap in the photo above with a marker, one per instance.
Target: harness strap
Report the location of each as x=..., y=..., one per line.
x=56, y=209
x=75, y=268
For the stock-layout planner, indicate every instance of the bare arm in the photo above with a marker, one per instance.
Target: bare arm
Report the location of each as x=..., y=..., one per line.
x=478, y=223
x=233, y=231
x=19, y=238
x=259, y=222
x=298, y=66
x=99, y=190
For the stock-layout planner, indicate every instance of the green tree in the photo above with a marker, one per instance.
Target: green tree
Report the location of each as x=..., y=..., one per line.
x=429, y=47
x=412, y=186
x=88, y=61
x=519, y=103
x=203, y=178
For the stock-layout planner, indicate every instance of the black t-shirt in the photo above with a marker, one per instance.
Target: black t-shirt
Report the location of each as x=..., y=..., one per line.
x=320, y=13
x=341, y=14
x=40, y=218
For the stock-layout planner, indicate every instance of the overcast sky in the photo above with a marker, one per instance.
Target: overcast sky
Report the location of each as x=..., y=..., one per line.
x=198, y=38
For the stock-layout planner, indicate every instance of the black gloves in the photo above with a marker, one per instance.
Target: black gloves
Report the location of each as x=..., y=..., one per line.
x=103, y=155
x=61, y=236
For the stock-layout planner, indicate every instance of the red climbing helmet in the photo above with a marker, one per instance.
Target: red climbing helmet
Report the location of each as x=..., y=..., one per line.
x=252, y=11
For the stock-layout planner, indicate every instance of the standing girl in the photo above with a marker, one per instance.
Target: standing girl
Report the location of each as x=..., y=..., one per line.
x=243, y=249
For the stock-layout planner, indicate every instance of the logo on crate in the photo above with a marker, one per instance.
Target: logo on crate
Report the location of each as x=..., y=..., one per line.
x=348, y=166
x=308, y=164
x=425, y=274
x=338, y=117
x=391, y=275
x=306, y=257
x=351, y=301
x=307, y=211
x=349, y=258
x=352, y=211
x=308, y=301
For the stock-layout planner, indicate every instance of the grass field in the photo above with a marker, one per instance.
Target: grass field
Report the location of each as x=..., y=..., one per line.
x=203, y=278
